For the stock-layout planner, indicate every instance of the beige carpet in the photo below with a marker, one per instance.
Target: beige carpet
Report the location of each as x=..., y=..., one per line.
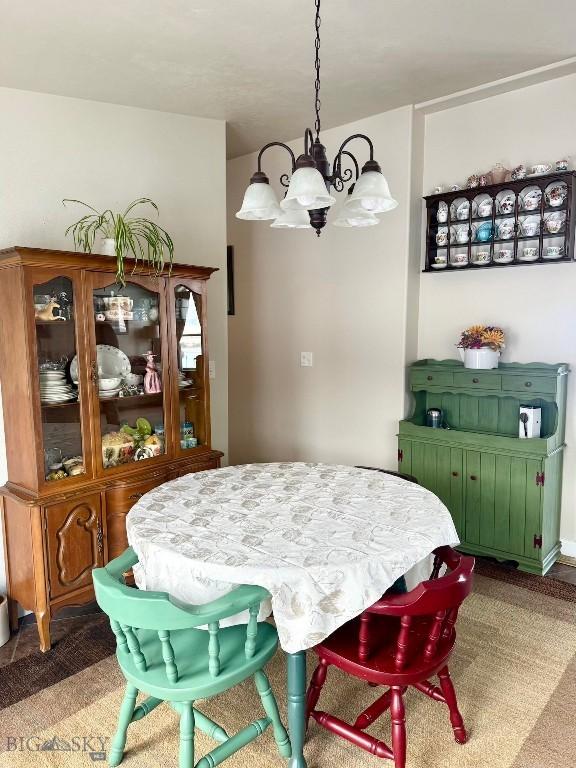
x=514, y=671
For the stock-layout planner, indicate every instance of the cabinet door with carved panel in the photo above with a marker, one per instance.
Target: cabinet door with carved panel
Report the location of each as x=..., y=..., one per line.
x=75, y=543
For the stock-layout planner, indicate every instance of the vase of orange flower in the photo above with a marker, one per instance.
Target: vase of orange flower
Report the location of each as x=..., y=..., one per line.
x=480, y=346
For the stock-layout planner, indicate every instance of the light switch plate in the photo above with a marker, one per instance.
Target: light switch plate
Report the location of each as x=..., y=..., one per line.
x=306, y=359
x=212, y=369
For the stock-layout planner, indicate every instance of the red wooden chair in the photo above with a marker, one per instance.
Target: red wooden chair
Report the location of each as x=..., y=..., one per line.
x=399, y=641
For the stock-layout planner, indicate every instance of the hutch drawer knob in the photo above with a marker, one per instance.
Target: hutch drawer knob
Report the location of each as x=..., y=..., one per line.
x=473, y=477
x=136, y=496
x=429, y=378
x=455, y=474
x=527, y=383
x=475, y=380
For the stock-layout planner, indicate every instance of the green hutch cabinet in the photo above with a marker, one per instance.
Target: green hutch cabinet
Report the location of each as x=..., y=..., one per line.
x=503, y=491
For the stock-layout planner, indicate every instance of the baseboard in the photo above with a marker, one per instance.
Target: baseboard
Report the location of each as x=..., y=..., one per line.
x=568, y=552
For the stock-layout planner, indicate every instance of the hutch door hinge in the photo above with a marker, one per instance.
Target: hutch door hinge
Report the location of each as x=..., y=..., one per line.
x=400, y=455
x=538, y=541
x=540, y=478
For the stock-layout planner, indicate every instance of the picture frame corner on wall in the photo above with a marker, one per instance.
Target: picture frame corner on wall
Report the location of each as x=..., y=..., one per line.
x=230, y=279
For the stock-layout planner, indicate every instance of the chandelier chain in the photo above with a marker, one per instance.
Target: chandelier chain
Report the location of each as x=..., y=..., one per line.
x=317, y=102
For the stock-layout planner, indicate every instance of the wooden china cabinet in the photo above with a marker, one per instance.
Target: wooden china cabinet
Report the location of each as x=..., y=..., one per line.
x=75, y=466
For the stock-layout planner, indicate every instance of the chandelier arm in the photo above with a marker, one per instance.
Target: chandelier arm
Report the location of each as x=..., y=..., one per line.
x=276, y=144
x=338, y=158
x=345, y=175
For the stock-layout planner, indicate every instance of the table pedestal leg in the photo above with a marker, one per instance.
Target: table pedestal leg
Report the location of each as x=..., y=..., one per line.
x=297, y=707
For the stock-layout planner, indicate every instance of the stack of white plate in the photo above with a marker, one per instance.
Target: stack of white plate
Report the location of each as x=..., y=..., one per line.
x=108, y=394
x=55, y=389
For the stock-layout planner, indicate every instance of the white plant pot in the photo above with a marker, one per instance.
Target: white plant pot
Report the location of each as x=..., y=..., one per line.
x=479, y=358
x=109, y=246
x=4, y=624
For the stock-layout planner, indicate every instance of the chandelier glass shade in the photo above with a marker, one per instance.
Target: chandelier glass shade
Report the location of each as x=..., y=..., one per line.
x=260, y=203
x=306, y=191
x=293, y=220
x=312, y=179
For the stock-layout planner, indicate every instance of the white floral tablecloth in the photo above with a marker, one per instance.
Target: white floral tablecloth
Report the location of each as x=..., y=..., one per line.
x=326, y=541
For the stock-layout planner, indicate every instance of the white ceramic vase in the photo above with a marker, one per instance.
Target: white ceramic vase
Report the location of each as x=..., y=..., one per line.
x=479, y=358
x=109, y=246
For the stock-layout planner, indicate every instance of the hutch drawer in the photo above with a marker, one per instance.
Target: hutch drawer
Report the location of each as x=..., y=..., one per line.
x=475, y=380
x=529, y=384
x=433, y=378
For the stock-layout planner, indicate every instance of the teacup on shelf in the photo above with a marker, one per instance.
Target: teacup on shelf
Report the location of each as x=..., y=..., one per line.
x=504, y=256
x=529, y=254
x=506, y=229
x=554, y=223
x=556, y=194
x=459, y=259
x=440, y=261
x=480, y=258
x=460, y=234
x=553, y=252
x=506, y=203
x=442, y=237
x=530, y=227
x=540, y=169
x=442, y=213
x=485, y=208
x=484, y=232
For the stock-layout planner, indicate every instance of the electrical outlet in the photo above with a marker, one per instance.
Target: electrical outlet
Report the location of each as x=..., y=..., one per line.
x=212, y=369
x=306, y=359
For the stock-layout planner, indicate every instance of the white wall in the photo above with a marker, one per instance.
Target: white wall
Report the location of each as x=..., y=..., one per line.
x=342, y=296
x=535, y=305
x=53, y=147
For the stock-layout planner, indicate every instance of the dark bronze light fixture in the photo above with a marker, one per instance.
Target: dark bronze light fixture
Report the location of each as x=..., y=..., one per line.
x=307, y=198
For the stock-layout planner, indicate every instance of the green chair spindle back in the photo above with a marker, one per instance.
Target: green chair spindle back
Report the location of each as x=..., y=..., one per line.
x=179, y=653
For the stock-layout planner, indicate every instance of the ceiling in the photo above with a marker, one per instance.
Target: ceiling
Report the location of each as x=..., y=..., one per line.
x=250, y=62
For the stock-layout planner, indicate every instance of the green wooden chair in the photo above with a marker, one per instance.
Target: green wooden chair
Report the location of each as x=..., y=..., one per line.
x=162, y=653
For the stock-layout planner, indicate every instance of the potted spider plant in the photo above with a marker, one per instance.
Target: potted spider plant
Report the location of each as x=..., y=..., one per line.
x=124, y=235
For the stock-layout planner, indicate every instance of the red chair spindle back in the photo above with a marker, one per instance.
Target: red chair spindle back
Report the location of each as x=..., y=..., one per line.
x=439, y=598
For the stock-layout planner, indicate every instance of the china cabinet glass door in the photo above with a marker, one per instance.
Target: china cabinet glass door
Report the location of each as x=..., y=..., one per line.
x=54, y=300
x=128, y=370
x=191, y=363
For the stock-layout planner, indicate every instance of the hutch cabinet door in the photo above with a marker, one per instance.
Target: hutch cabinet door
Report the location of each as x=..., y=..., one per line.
x=74, y=543
x=55, y=328
x=503, y=503
x=128, y=367
x=189, y=356
x=439, y=468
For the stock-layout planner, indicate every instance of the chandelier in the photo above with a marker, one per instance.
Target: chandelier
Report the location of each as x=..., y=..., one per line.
x=308, y=198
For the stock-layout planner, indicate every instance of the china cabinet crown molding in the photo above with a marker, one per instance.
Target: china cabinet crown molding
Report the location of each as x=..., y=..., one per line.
x=57, y=531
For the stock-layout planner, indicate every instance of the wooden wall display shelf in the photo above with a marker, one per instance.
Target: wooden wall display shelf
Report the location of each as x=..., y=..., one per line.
x=503, y=491
x=58, y=530
x=517, y=238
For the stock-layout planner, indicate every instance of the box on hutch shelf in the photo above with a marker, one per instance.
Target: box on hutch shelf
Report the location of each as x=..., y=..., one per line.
x=106, y=395
x=521, y=222
x=502, y=487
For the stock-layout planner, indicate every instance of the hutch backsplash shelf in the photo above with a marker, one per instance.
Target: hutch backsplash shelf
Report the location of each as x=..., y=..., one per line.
x=516, y=223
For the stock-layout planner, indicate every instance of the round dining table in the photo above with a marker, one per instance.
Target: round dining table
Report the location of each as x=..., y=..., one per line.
x=326, y=541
